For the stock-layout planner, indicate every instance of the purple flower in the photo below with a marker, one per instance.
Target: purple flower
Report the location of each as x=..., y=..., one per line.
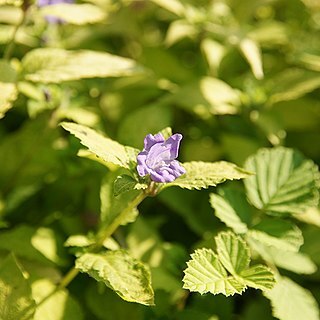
x=158, y=158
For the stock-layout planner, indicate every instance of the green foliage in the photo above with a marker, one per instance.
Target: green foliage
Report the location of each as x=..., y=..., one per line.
x=108, y=150
x=48, y=65
x=239, y=80
x=209, y=272
x=290, y=301
x=8, y=95
x=285, y=182
x=203, y=175
x=129, y=278
x=59, y=305
x=77, y=14
x=15, y=299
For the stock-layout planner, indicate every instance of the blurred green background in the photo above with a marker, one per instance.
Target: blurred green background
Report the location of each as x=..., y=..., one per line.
x=232, y=76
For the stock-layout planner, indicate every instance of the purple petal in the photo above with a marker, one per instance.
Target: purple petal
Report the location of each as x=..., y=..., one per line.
x=142, y=168
x=173, y=143
x=177, y=168
x=158, y=154
x=151, y=140
x=157, y=177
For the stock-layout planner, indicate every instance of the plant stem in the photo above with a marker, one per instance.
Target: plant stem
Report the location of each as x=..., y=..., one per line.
x=102, y=236
x=10, y=46
x=106, y=233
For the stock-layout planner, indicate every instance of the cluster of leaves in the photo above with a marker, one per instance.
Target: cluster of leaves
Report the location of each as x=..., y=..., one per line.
x=240, y=80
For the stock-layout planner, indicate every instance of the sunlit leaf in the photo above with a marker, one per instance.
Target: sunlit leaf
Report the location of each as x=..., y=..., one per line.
x=15, y=292
x=128, y=277
x=179, y=30
x=228, y=272
x=106, y=149
x=285, y=183
x=8, y=96
x=59, y=306
x=174, y=6
x=281, y=234
x=251, y=51
x=52, y=65
x=223, y=98
x=214, y=53
x=206, y=174
x=291, y=302
x=233, y=252
x=30, y=243
x=289, y=260
x=71, y=13
x=10, y=14
x=231, y=208
x=292, y=84
x=205, y=273
x=258, y=277
x=270, y=33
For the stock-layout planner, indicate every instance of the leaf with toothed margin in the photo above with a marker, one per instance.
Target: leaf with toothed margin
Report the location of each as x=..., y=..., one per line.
x=205, y=273
x=285, y=182
x=201, y=175
x=105, y=148
x=233, y=252
x=290, y=301
x=124, y=183
x=128, y=277
x=227, y=272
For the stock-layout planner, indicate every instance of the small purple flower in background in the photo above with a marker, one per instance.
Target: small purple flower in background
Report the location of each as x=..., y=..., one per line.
x=44, y=3
x=158, y=158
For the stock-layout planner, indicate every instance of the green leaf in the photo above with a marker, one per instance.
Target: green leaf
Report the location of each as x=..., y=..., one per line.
x=281, y=234
x=166, y=132
x=116, y=208
x=206, y=174
x=58, y=306
x=125, y=183
x=15, y=292
x=251, y=51
x=214, y=53
x=291, y=302
x=128, y=277
x=231, y=208
x=233, y=252
x=205, y=273
x=311, y=216
x=179, y=30
x=78, y=240
x=258, y=277
x=10, y=14
x=33, y=244
x=7, y=73
x=78, y=14
x=106, y=149
x=50, y=65
x=8, y=95
x=311, y=61
x=222, y=97
x=208, y=272
x=285, y=183
x=208, y=96
x=289, y=260
x=174, y=6
x=292, y=84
